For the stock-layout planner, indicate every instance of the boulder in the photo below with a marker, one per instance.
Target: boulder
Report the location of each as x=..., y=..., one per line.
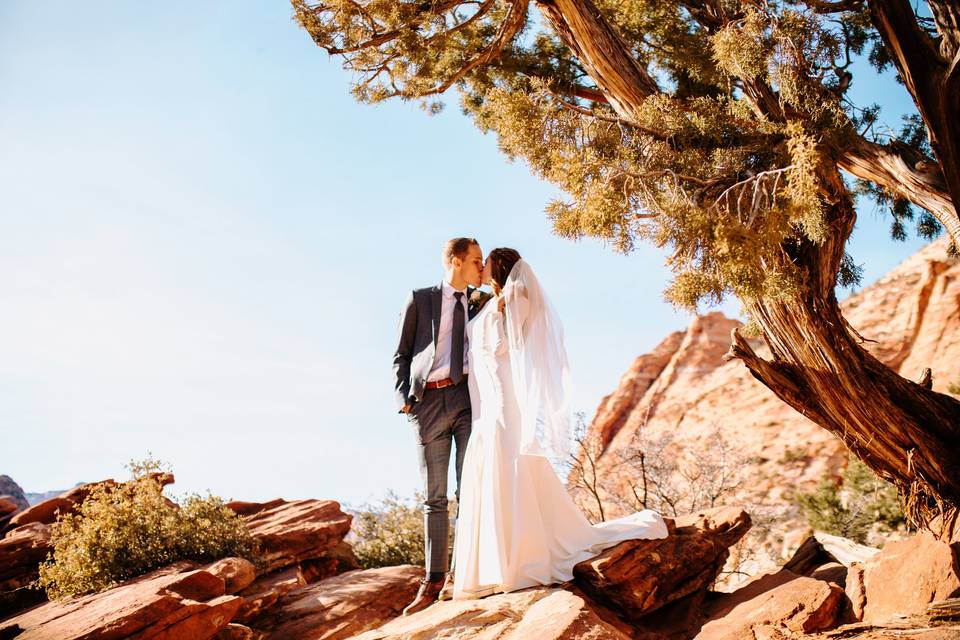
x=265, y=591
x=292, y=531
x=45, y=512
x=342, y=606
x=855, y=592
x=907, y=575
x=543, y=613
x=8, y=506
x=772, y=602
x=822, y=548
x=831, y=572
x=637, y=577
x=237, y=573
x=21, y=552
x=176, y=602
x=12, y=491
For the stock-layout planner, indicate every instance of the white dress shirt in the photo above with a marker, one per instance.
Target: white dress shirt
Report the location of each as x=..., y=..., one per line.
x=441, y=360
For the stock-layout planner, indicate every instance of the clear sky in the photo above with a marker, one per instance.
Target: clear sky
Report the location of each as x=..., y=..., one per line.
x=205, y=244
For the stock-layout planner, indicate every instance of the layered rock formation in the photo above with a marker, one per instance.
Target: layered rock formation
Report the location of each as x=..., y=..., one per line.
x=731, y=439
x=638, y=589
x=301, y=542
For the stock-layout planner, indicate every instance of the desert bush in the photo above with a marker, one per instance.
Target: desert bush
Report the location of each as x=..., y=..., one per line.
x=124, y=530
x=859, y=503
x=390, y=532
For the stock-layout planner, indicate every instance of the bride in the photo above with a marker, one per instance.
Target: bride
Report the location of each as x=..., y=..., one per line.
x=517, y=526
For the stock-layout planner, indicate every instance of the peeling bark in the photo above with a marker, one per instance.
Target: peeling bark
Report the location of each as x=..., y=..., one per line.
x=602, y=52
x=884, y=166
x=931, y=75
x=901, y=430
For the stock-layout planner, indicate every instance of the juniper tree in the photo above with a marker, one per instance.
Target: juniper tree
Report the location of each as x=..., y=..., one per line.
x=717, y=129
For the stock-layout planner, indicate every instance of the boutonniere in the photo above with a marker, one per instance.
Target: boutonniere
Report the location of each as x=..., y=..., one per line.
x=478, y=298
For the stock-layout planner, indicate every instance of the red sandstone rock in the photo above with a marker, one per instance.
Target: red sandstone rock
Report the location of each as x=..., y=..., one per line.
x=237, y=573
x=172, y=603
x=855, y=591
x=264, y=593
x=907, y=575
x=8, y=505
x=782, y=600
x=292, y=531
x=44, y=512
x=342, y=606
x=539, y=613
x=615, y=409
x=637, y=577
x=21, y=552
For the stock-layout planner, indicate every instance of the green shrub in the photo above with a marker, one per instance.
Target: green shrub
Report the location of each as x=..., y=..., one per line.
x=390, y=533
x=125, y=530
x=860, y=502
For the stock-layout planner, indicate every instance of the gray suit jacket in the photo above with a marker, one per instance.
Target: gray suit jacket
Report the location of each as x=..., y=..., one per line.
x=417, y=342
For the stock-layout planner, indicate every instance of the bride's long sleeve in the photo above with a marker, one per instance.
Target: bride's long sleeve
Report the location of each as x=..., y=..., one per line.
x=495, y=334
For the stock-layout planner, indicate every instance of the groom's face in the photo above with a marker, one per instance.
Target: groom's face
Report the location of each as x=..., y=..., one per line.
x=471, y=267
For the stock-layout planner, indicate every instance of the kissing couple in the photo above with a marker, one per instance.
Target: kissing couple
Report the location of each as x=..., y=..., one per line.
x=490, y=374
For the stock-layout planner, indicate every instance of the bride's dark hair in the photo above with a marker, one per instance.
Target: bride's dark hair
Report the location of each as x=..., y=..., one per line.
x=502, y=260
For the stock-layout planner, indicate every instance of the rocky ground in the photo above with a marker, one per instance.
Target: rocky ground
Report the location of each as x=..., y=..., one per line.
x=309, y=587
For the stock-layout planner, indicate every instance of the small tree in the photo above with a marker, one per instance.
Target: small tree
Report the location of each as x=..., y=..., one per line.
x=388, y=533
x=669, y=477
x=853, y=507
x=584, y=481
x=123, y=530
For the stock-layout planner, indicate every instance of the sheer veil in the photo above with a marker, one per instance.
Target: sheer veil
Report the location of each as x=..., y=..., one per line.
x=538, y=358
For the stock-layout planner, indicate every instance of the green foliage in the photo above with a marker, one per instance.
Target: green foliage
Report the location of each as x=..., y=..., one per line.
x=389, y=533
x=125, y=530
x=954, y=388
x=744, y=49
x=723, y=165
x=860, y=502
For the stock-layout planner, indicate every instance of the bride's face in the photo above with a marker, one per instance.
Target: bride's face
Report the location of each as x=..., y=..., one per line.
x=486, y=276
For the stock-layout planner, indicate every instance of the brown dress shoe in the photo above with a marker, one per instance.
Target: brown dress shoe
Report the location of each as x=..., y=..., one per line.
x=446, y=593
x=426, y=596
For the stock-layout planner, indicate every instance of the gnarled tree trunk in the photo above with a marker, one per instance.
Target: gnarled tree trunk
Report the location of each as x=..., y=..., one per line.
x=903, y=431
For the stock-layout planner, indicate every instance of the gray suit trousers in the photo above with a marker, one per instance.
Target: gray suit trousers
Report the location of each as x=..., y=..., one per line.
x=440, y=419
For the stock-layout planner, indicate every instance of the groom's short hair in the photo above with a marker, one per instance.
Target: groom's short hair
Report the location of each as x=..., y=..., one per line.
x=457, y=247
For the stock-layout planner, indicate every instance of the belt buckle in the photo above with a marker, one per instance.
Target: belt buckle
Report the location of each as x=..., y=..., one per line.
x=443, y=384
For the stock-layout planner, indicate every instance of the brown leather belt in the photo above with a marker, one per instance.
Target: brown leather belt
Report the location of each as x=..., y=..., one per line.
x=446, y=382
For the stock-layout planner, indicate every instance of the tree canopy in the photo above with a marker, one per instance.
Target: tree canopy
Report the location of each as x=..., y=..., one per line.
x=717, y=129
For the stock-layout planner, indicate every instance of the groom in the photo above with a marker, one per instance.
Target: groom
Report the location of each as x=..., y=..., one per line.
x=430, y=365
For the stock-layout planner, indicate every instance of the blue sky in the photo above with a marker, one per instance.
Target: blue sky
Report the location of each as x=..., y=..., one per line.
x=205, y=243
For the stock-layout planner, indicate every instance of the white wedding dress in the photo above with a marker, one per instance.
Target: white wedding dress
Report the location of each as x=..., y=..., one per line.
x=517, y=526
